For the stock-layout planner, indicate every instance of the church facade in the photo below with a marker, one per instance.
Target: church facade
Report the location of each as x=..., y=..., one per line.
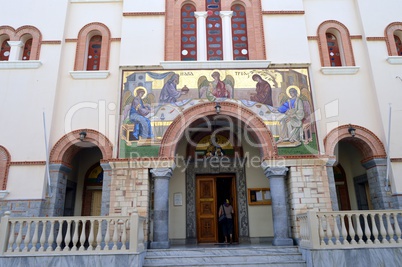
x=169, y=108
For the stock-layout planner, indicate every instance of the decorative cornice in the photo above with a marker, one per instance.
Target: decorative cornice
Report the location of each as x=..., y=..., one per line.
x=359, y=37
x=283, y=12
x=117, y=39
x=136, y=14
x=396, y=159
x=314, y=38
x=51, y=42
x=20, y=64
x=376, y=39
x=394, y=60
x=22, y=163
x=71, y=40
x=212, y=64
x=344, y=70
x=99, y=74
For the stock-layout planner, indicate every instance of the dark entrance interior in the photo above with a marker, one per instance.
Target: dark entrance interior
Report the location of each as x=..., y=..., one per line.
x=225, y=188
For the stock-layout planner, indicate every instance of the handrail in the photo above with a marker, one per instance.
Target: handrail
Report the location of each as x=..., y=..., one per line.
x=350, y=229
x=71, y=235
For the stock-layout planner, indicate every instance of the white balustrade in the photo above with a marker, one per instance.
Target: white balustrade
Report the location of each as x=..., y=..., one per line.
x=71, y=235
x=350, y=229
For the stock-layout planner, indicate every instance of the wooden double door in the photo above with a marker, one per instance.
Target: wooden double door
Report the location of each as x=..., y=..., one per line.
x=211, y=193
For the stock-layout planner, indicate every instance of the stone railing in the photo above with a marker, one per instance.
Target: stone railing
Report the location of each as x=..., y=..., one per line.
x=71, y=235
x=350, y=229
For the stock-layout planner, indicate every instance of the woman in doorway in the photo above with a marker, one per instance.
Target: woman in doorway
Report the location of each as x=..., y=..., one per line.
x=227, y=224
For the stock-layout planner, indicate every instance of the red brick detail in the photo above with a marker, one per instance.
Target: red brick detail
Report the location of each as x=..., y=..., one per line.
x=141, y=14
x=366, y=141
x=389, y=37
x=284, y=12
x=85, y=34
x=252, y=124
x=18, y=34
x=255, y=32
x=66, y=148
x=5, y=159
x=345, y=42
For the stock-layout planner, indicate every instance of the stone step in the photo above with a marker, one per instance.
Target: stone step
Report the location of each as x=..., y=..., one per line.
x=244, y=257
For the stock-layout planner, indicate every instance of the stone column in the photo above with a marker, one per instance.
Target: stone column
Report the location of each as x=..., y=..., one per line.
x=15, y=50
x=331, y=182
x=201, y=17
x=107, y=179
x=276, y=176
x=161, y=207
x=376, y=170
x=227, y=34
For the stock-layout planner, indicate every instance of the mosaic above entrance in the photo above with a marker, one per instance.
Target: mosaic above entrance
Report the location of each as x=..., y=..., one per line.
x=152, y=100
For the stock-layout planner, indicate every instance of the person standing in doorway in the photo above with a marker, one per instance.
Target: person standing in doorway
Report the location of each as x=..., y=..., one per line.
x=227, y=224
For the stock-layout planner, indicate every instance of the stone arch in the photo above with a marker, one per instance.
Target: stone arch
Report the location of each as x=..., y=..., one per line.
x=258, y=129
x=364, y=140
x=5, y=159
x=65, y=149
x=389, y=37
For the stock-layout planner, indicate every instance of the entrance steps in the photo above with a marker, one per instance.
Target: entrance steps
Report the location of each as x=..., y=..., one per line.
x=225, y=256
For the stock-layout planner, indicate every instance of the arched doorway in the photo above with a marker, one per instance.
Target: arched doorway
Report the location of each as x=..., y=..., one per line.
x=234, y=125
x=361, y=160
x=80, y=181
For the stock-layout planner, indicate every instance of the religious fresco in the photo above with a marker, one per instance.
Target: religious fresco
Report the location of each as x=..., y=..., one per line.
x=151, y=100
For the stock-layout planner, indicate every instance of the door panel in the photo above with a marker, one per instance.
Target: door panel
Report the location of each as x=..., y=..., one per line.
x=206, y=207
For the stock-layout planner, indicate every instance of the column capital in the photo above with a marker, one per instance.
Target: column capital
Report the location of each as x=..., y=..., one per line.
x=15, y=43
x=226, y=14
x=162, y=172
x=201, y=14
x=374, y=162
x=274, y=171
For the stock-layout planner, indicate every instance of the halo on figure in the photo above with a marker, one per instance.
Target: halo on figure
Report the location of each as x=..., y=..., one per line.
x=218, y=71
x=138, y=88
x=294, y=87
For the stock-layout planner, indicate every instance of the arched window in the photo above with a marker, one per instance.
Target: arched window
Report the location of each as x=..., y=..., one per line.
x=239, y=33
x=93, y=48
x=393, y=37
x=94, y=52
x=188, y=33
x=333, y=50
x=214, y=30
x=5, y=50
x=4, y=166
x=335, y=45
x=26, y=53
x=398, y=45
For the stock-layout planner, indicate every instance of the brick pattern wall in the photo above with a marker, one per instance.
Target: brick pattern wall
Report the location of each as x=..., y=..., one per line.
x=308, y=189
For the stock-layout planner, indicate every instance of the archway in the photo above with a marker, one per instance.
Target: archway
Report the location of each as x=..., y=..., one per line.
x=363, y=159
x=70, y=161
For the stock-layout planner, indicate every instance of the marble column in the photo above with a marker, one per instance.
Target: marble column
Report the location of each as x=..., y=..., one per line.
x=107, y=179
x=161, y=178
x=201, y=17
x=331, y=182
x=276, y=176
x=227, y=34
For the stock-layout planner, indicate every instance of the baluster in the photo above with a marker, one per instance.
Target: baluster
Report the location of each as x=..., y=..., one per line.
x=322, y=234
x=75, y=235
x=67, y=237
x=42, y=239
x=359, y=230
x=19, y=236
x=115, y=235
x=51, y=237
x=107, y=236
x=27, y=238
x=11, y=239
x=59, y=237
x=99, y=236
x=367, y=231
x=383, y=232
x=344, y=231
x=124, y=236
x=91, y=234
x=35, y=237
x=83, y=236
x=352, y=232
x=389, y=229
x=375, y=229
x=336, y=230
x=329, y=231
x=397, y=228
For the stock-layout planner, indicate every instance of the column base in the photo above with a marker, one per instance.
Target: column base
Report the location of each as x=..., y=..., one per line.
x=282, y=242
x=160, y=245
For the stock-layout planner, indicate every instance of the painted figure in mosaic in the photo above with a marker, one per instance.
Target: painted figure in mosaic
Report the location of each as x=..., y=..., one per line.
x=218, y=87
x=291, y=123
x=263, y=89
x=169, y=92
x=138, y=113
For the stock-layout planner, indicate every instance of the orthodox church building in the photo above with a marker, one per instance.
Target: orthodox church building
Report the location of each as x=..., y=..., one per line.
x=168, y=108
